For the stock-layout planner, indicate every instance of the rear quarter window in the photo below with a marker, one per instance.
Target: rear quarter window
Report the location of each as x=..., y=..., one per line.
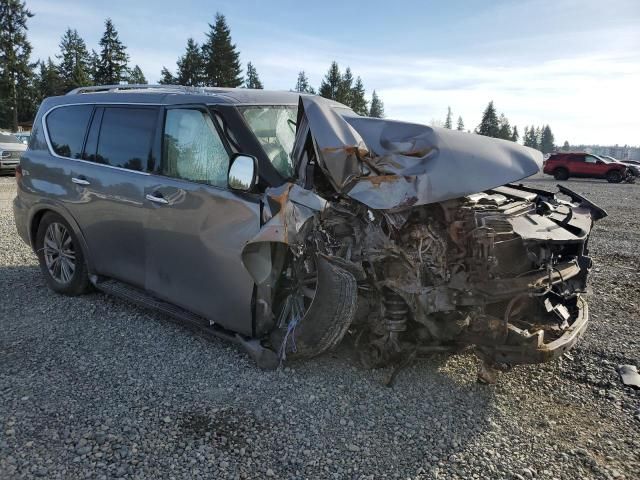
x=66, y=127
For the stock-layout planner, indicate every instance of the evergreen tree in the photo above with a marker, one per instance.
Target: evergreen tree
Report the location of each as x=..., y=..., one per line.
x=343, y=93
x=460, y=126
x=530, y=138
x=358, y=102
x=166, y=77
x=515, y=135
x=220, y=58
x=565, y=146
x=547, y=140
x=331, y=82
x=75, y=62
x=302, y=84
x=49, y=83
x=252, y=81
x=16, y=74
x=377, y=107
x=136, y=77
x=112, y=68
x=448, y=123
x=94, y=61
x=538, y=136
x=504, y=129
x=191, y=65
x=489, y=125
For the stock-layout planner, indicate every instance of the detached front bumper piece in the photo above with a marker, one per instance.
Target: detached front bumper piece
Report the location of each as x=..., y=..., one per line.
x=535, y=350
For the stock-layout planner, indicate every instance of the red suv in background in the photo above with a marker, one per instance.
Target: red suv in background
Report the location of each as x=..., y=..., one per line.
x=565, y=165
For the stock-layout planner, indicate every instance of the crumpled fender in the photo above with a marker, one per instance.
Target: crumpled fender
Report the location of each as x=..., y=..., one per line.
x=290, y=207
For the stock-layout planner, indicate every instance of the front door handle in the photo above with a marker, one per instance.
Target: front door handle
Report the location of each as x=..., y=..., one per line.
x=80, y=181
x=156, y=199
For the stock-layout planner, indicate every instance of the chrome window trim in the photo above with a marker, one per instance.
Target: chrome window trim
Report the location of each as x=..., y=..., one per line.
x=54, y=154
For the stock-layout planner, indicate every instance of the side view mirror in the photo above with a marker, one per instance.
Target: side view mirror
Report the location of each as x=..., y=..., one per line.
x=243, y=173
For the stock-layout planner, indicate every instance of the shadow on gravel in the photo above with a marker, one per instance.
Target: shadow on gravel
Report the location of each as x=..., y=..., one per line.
x=20, y=276
x=81, y=367
x=330, y=409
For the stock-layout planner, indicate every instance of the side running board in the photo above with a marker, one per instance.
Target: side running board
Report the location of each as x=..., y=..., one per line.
x=265, y=358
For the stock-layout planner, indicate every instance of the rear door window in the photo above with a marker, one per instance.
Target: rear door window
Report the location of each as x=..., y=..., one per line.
x=192, y=148
x=66, y=127
x=126, y=137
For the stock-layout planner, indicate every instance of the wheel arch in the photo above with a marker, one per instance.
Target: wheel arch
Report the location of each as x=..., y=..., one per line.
x=39, y=211
x=617, y=171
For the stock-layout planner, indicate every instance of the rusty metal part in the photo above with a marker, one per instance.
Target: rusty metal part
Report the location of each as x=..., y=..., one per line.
x=387, y=164
x=477, y=271
x=532, y=347
x=395, y=318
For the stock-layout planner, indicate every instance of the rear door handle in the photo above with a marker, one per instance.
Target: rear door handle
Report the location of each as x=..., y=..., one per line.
x=80, y=181
x=156, y=199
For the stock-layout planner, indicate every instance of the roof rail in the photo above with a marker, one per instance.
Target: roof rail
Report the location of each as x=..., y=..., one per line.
x=125, y=87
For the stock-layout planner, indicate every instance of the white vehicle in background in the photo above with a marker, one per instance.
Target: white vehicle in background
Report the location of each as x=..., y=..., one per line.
x=11, y=149
x=23, y=137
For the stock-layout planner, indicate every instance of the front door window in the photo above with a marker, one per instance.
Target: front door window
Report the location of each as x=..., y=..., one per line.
x=192, y=148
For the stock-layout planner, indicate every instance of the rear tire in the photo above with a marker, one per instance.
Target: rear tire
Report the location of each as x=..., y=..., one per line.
x=60, y=255
x=614, y=176
x=561, y=174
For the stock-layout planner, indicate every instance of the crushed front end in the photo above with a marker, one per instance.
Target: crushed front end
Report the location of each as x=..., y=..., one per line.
x=503, y=271
x=384, y=235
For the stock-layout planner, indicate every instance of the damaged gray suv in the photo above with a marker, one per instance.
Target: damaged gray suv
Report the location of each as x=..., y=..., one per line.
x=285, y=222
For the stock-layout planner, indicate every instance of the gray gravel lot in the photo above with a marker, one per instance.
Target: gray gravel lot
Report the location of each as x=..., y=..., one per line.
x=91, y=387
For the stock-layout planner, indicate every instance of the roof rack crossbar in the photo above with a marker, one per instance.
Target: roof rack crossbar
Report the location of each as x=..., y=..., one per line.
x=133, y=86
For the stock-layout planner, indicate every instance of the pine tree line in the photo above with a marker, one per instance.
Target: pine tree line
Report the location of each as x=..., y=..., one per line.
x=215, y=63
x=540, y=138
x=23, y=84
x=448, y=122
x=492, y=125
x=498, y=126
x=342, y=88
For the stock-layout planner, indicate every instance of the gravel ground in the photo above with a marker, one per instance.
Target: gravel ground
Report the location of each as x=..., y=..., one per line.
x=92, y=387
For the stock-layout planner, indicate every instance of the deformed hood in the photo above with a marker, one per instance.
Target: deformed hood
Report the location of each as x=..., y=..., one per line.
x=387, y=164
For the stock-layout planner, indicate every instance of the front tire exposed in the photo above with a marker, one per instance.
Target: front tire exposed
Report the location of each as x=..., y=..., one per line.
x=60, y=255
x=326, y=320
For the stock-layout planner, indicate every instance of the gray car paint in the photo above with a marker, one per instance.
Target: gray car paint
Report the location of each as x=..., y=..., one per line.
x=388, y=164
x=193, y=245
x=189, y=251
x=384, y=164
x=186, y=252
x=111, y=211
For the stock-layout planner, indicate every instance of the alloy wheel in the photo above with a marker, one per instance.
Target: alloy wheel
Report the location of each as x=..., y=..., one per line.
x=59, y=253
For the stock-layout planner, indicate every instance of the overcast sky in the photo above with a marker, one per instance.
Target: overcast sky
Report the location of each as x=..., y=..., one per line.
x=572, y=64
